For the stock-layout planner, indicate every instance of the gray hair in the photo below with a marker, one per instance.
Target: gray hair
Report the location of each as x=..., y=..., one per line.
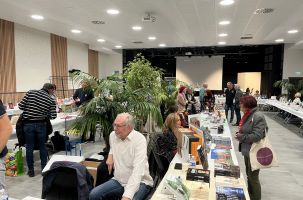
x=237, y=86
x=129, y=119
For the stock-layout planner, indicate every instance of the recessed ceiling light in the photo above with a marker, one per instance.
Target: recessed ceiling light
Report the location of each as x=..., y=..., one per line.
x=75, y=31
x=118, y=46
x=37, y=17
x=152, y=38
x=225, y=22
x=226, y=2
x=137, y=28
x=292, y=31
x=112, y=11
x=162, y=45
x=279, y=40
x=223, y=35
x=221, y=43
x=101, y=40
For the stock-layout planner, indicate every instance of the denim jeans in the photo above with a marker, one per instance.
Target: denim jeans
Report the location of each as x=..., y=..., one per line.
x=35, y=132
x=231, y=107
x=2, y=173
x=113, y=188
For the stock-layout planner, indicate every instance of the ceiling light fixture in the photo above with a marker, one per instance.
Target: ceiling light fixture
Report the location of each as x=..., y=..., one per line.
x=162, y=45
x=152, y=38
x=137, y=28
x=221, y=43
x=292, y=31
x=75, y=31
x=223, y=35
x=37, y=17
x=112, y=11
x=225, y=22
x=279, y=40
x=226, y=2
x=101, y=40
x=118, y=46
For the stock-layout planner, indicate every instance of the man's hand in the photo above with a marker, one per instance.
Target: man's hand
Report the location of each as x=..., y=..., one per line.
x=110, y=163
x=125, y=198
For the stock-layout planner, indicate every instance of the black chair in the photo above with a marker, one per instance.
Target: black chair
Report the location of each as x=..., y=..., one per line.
x=64, y=185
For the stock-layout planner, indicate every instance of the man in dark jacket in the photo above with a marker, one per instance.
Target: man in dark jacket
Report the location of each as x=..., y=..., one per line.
x=37, y=106
x=238, y=95
x=5, y=132
x=229, y=95
x=83, y=94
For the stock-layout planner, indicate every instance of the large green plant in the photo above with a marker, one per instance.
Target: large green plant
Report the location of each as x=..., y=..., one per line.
x=140, y=100
x=291, y=88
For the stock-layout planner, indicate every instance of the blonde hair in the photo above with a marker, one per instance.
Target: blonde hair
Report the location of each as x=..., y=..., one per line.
x=171, y=123
x=298, y=95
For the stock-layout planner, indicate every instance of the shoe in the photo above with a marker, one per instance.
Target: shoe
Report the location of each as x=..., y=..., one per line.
x=236, y=124
x=31, y=173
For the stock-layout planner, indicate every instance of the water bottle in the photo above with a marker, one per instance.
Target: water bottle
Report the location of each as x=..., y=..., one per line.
x=192, y=161
x=3, y=195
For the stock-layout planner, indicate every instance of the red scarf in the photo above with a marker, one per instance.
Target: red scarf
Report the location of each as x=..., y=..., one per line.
x=246, y=114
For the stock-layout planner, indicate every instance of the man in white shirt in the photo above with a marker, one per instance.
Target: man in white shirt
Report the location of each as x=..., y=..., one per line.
x=128, y=157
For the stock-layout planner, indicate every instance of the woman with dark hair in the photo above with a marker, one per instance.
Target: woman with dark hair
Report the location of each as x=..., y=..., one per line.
x=171, y=141
x=252, y=128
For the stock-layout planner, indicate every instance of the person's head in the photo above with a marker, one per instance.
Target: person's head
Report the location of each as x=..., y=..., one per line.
x=205, y=85
x=172, y=121
x=229, y=85
x=247, y=90
x=298, y=95
x=247, y=103
x=189, y=90
x=237, y=87
x=182, y=89
x=50, y=88
x=123, y=125
x=257, y=91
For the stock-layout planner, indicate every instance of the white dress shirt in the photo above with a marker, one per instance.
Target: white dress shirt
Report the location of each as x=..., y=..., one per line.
x=130, y=162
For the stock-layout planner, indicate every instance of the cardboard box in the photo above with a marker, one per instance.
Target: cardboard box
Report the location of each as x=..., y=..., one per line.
x=92, y=167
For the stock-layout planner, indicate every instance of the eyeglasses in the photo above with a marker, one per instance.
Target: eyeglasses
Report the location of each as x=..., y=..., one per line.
x=118, y=126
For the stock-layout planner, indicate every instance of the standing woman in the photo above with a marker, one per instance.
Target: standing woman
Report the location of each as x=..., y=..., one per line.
x=181, y=99
x=252, y=129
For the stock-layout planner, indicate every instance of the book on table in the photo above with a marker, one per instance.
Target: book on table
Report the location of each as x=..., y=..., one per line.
x=194, y=174
x=229, y=193
x=203, y=156
x=223, y=169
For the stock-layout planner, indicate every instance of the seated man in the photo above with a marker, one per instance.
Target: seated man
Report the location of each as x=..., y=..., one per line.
x=128, y=156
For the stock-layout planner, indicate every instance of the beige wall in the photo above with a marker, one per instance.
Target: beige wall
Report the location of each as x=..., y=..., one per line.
x=249, y=80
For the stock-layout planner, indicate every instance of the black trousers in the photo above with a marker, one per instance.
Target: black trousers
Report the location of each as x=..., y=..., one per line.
x=253, y=182
x=231, y=107
x=238, y=114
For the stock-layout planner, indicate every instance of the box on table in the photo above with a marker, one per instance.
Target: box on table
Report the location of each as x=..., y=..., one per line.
x=92, y=167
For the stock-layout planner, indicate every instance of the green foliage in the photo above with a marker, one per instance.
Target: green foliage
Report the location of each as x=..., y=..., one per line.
x=291, y=88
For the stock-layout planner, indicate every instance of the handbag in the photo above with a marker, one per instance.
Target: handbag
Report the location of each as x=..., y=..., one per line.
x=262, y=155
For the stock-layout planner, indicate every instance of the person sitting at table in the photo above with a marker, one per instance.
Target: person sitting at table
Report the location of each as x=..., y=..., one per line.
x=297, y=99
x=257, y=94
x=170, y=142
x=128, y=158
x=83, y=94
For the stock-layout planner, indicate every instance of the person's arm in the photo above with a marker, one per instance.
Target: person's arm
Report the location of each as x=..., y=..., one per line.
x=23, y=102
x=5, y=128
x=110, y=158
x=138, y=169
x=259, y=127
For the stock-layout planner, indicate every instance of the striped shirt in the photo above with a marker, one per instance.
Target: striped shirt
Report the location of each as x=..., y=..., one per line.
x=38, y=105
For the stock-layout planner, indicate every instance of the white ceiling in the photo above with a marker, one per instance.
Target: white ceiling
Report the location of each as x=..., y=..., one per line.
x=178, y=22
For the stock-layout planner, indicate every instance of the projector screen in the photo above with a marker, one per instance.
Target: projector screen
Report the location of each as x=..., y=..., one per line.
x=197, y=70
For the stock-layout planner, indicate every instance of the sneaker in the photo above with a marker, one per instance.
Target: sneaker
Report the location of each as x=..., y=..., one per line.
x=31, y=173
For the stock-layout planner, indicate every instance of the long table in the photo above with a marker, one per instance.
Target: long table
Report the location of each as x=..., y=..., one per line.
x=295, y=110
x=200, y=190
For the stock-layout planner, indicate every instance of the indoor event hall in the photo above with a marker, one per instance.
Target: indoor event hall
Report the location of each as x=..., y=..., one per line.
x=151, y=99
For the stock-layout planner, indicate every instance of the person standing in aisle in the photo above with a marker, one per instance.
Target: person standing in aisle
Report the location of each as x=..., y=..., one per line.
x=229, y=101
x=202, y=93
x=238, y=95
x=37, y=106
x=252, y=128
x=5, y=132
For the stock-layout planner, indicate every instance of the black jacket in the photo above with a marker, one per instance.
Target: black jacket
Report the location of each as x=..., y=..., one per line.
x=230, y=95
x=84, y=179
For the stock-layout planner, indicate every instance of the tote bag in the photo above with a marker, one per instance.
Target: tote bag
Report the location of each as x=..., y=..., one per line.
x=262, y=155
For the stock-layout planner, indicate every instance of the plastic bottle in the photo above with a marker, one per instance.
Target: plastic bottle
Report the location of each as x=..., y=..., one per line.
x=3, y=195
x=192, y=161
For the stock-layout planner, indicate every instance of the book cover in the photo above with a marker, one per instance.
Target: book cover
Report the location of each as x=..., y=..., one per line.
x=194, y=174
x=229, y=193
x=220, y=154
x=222, y=169
x=203, y=156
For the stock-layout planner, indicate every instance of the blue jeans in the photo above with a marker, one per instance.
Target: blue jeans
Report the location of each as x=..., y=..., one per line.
x=35, y=132
x=113, y=188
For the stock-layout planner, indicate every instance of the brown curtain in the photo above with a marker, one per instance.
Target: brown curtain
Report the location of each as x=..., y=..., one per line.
x=59, y=64
x=93, y=63
x=7, y=57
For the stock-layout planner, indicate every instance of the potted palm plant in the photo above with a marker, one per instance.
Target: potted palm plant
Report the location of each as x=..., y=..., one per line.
x=289, y=87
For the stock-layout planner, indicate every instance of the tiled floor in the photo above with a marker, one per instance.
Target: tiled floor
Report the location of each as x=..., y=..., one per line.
x=282, y=183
